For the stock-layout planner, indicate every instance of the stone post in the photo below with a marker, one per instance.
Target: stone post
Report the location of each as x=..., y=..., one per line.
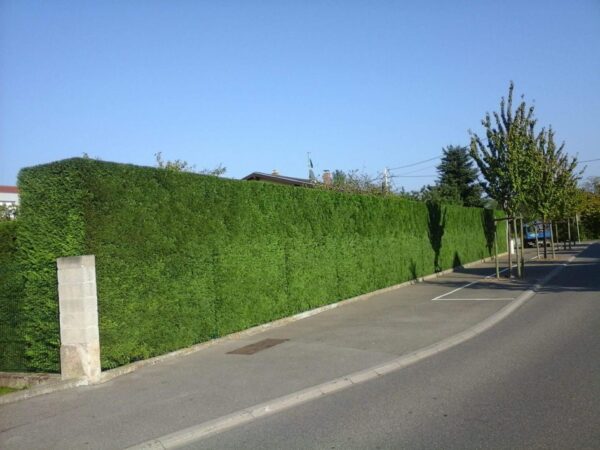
x=78, y=304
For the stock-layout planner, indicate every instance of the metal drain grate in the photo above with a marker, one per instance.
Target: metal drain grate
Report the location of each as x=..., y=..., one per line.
x=257, y=347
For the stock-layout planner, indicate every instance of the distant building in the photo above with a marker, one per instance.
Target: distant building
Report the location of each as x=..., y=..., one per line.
x=9, y=196
x=279, y=179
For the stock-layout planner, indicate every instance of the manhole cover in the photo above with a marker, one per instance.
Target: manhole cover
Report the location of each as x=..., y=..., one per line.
x=257, y=347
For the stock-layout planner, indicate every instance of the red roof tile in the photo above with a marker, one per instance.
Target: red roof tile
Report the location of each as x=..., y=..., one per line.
x=9, y=189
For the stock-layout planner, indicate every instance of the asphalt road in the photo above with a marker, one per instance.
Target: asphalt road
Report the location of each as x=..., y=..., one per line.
x=532, y=381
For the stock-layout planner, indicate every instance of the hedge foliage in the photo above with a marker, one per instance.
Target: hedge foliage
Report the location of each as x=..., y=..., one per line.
x=12, y=342
x=182, y=258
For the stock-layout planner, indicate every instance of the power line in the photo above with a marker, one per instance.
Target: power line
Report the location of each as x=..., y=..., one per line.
x=419, y=170
x=414, y=164
x=413, y=176
x=438, y=157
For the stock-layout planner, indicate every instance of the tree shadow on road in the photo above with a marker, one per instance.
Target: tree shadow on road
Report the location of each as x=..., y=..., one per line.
x=580, y=275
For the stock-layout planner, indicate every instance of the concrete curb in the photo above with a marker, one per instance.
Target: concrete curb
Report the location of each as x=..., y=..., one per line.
x=20, y=380
x=206, y=429
x=42, y=389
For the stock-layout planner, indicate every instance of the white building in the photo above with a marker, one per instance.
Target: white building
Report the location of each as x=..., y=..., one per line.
x=9, y=197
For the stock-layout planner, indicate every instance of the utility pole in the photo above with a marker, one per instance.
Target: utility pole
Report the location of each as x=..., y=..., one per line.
x=386, y=180
x=311, y=173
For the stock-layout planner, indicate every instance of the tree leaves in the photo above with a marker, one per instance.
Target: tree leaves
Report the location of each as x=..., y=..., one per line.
x=525, y=172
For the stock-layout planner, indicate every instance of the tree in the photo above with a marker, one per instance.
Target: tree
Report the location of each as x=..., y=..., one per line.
x=179, y=165
x=589, y=208
x=338, y=177
x=543, y=191
x=8, y=212
x=527, y=173
x=427, y=193
x=551, y=190
x=503, y=160
x=457, y=182
x=592, y=184
x=353, y=181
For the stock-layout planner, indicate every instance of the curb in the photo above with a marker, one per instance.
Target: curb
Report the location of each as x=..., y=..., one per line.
x=42, y=389
x=212, y=427
x=20, y=380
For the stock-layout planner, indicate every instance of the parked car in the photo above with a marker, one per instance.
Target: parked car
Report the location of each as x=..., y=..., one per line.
x=537, y=229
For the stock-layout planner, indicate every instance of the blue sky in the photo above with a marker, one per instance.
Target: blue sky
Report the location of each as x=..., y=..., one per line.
x=255, y=85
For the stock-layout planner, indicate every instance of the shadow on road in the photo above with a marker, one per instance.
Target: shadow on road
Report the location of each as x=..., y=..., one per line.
x=582, y=274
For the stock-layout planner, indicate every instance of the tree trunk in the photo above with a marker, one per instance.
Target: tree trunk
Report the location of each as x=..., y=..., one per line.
x=517, y=247
x=552, y=239
x=577, y=223
x=537, y=241
x=496, y=252
x=522, y=250
x=508, y=234
x=569, y=233
x=544, y=238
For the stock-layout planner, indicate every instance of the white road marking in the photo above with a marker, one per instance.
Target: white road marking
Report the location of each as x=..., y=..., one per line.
x=440, y=297
x=472, y=299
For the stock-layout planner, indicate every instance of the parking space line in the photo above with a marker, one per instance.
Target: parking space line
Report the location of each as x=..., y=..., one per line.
x=440, y=297
x=472, y=299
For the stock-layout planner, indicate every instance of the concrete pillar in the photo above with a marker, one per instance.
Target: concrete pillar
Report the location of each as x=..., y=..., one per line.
x=78, y=303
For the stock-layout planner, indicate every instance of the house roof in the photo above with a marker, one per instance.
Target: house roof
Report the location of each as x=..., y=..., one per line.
x=9, y=189
x=291, y=181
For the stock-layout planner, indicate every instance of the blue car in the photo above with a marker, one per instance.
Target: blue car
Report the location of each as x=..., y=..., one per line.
x=537, y=229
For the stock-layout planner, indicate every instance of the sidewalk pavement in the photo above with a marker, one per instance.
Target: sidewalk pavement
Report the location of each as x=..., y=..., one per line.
x=189, y=390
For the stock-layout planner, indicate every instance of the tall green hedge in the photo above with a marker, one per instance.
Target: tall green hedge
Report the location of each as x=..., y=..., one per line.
x=12, y=341
x=182, y=258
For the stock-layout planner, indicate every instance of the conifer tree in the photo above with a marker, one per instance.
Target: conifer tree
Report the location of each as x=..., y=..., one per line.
x=457, y=180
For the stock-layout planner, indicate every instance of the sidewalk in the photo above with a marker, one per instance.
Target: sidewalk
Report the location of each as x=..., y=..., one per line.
x=192, y=389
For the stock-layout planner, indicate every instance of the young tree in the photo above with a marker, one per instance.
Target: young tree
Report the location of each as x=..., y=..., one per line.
x=551, y=189
x=502, y=159
x=589, y=208
x=457, y=182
